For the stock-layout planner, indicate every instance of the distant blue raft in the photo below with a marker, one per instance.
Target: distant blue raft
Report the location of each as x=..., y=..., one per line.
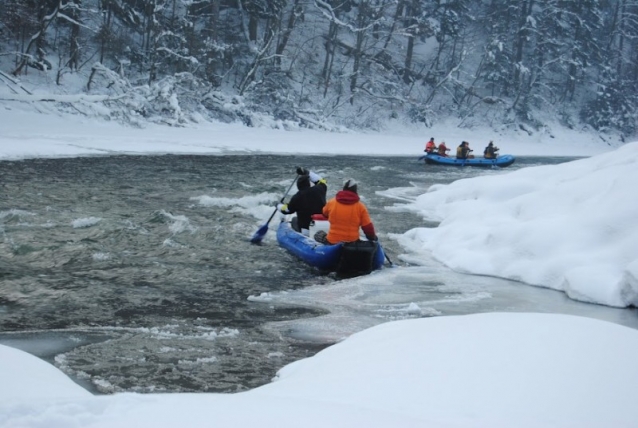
x=502, y=161
x=359, y=257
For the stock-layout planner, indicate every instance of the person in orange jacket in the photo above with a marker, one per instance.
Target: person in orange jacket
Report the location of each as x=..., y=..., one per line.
x=346, y=214
x=430, y=146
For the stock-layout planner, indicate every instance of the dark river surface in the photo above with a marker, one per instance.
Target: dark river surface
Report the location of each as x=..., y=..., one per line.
x=135, y=273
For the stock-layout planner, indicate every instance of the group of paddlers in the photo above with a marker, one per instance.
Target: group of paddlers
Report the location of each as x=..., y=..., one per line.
x=463, y=151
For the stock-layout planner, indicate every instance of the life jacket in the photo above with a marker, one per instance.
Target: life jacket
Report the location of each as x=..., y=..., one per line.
x=430, y=146
x=346, y=214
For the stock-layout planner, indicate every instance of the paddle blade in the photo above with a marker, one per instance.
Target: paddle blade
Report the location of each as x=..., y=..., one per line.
x=259, y=235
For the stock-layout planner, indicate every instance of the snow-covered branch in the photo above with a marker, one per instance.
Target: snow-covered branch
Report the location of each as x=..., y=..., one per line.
x=191, y=59
x=75, y=22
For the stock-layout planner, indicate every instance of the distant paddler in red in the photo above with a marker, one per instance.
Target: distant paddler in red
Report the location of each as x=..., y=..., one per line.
x=430, y=146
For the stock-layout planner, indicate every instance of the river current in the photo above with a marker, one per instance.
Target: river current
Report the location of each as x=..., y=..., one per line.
x=135, y=273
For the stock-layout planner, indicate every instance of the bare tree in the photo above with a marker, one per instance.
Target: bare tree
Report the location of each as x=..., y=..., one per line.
x=46, y=14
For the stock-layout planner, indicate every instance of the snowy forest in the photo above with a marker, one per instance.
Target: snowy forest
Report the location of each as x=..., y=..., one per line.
x=330, y=63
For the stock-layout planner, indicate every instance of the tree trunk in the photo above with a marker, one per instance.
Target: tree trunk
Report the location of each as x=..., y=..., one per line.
x=252, y=72
x=214, y=20
x=151, y=41
x=106, y=29
x=38, y=38
x=39, y=41
x=74, y=48
x=252, y=28
x=330, y=51
x=407, y=72
x=520, y=43
x=362, y=19
x=292, y=19
x=526, y=10
x=397, y=15
x=621, y=37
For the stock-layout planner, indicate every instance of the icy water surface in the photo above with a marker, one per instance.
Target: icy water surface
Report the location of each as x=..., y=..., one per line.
x=135, y=273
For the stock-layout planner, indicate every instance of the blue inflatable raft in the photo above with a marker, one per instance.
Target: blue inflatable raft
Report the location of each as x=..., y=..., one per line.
x=502, y=161
x=355, y=257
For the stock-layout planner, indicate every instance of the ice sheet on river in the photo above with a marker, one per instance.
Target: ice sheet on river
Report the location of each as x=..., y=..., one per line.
x=404, y=292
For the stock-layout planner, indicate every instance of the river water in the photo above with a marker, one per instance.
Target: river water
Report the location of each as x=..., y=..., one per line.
x=135, y=273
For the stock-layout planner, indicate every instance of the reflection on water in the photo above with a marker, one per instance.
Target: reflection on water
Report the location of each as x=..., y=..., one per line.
x=136, y=274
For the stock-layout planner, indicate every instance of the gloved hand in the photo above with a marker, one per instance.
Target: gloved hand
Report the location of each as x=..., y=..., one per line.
x=302, y=171
x=282, y=207
x=314, y=177
x=374, y=238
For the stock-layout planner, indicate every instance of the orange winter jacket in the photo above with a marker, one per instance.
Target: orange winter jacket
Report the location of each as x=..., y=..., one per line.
x=346, y=213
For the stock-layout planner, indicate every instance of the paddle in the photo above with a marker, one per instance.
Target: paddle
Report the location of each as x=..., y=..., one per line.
x=261, y=232
x=386, y=256
x=388, y=259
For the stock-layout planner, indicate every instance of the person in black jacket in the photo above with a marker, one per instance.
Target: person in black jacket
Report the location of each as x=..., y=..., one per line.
x=309, y=199
x=490, y=151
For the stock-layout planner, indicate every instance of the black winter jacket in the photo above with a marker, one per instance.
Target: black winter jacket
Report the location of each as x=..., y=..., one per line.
x=307, y=202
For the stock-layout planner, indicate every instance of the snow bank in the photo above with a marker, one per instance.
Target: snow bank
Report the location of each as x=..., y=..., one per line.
x=487, y=370
x=569, y=227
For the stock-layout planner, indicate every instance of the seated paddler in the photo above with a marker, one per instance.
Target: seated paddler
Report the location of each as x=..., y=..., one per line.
x=309, y=199
x=346, y=214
